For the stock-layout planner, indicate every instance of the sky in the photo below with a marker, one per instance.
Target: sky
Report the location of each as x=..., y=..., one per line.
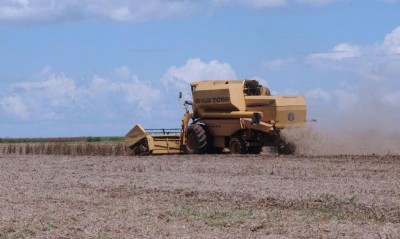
x=98, y=67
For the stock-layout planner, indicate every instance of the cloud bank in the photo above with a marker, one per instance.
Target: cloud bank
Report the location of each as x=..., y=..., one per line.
x=49, y=11
x=14, y=105
x=370, y=96
x=118, y=10
x=55, y=96
x=377, y=61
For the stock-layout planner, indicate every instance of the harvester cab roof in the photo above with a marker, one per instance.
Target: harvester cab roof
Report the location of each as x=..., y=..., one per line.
x=250, y=86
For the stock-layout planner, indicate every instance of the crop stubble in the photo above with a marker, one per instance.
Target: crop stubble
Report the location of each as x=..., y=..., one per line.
x=207, y=196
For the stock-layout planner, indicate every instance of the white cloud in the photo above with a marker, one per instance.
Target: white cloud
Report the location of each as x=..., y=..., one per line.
x=318, y=94
x=379, y=62
x=56, y=95
x=339, y=52
x=391, y=43
x=144, y=10
x=390, y=47
x=196, y=70
x=58, y=89
x=133, y=91
x=145, y=95
x=34, y=11
x=14, y=105
x=119, y=10
x=123, y=71
x=276, y=64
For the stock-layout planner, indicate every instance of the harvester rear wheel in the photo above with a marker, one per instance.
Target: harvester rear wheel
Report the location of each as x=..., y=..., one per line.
x=197, y=139
x=254, y=150
x=237, y=146
x=287, y=148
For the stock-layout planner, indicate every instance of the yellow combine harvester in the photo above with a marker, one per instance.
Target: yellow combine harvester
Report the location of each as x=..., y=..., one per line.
x=236, y=116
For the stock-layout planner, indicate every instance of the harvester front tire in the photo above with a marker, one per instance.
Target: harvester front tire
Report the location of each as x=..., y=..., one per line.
x=237, y=146
x=197, y=139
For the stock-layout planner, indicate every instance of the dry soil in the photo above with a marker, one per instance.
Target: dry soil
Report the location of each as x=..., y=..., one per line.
x=225, y=196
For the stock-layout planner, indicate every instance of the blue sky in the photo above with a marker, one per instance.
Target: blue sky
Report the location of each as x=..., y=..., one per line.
x=92, y=67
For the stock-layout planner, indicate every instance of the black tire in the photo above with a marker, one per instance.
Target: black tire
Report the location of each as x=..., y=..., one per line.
x=237, y=146
x=286, y=148
x=197, y=139
x=254, y=150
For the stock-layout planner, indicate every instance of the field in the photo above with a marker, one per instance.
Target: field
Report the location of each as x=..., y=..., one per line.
x=211, y=196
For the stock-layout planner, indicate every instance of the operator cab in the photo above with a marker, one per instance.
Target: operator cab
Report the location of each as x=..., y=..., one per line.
x=253, y=87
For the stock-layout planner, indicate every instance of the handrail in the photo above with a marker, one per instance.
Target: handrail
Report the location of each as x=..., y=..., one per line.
x=163, y=131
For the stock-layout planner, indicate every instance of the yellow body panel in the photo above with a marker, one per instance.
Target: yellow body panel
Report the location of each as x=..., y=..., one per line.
x=227, y=100
x=165, y=144
x=216, y=96
x=282, y=111
x=222, y=127
x=226, y=115
x=136, y=134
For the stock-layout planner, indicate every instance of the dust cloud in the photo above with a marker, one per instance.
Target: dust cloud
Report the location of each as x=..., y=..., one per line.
x=322, y=141
x=364, y=120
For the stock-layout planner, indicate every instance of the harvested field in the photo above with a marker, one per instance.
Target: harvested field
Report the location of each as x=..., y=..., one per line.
x=221, y=196
x=70, y=149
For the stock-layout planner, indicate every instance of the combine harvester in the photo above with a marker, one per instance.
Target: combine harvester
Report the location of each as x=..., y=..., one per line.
x=236, y=116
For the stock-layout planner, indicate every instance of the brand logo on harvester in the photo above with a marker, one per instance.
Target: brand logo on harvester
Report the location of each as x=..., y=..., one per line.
x=212, y=100
x=291, y=116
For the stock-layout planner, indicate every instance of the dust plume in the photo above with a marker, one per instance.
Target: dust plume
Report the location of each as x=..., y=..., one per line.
x=323, y=141
x=363, y=120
